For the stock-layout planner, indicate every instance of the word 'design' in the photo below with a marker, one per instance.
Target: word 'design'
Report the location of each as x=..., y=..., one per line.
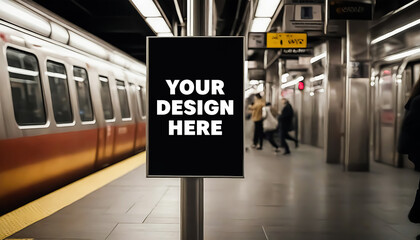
x=286, y=40
x=195, y=106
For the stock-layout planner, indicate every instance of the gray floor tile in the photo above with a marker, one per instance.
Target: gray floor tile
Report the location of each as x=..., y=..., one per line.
x=145, y=232
x=296, y=197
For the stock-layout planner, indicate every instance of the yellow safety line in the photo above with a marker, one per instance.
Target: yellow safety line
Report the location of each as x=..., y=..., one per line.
x=43, y=207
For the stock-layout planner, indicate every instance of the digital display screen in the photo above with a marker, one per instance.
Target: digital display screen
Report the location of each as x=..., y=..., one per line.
x=306, y=12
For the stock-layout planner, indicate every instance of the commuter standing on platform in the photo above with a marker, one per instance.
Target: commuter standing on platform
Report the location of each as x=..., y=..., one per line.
x=256, y=117
x=409, y=142
x=285, y=120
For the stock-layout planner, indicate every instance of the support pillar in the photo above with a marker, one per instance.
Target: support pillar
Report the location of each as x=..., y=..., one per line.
x=357, y=97
x=334, y=116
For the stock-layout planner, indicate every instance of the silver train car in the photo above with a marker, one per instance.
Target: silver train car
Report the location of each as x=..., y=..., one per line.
x=70, y=104
x=395, y=53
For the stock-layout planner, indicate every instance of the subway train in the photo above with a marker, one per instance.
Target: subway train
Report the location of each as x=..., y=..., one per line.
x=70, y=104
x=395, y=54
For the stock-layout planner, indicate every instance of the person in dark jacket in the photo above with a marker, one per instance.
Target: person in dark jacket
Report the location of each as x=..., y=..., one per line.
x=409, y=142
x=285, y=120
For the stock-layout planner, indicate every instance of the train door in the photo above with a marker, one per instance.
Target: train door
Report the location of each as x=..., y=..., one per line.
x=135, y=110
x=125, y=129
x=141, y=96
x=386, y=119
x=136, y=99
x=106, y=132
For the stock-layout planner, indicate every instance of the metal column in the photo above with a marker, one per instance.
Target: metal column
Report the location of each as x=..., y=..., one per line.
x=334, y=115
x=357, y=97
x=199, y=23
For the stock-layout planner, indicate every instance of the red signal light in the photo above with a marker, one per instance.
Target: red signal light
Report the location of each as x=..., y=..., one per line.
x=301, y=85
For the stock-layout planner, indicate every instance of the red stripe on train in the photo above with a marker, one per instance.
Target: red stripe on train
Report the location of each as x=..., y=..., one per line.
x=31, y=167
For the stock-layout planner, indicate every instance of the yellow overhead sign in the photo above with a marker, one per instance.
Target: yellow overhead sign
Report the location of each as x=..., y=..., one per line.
x=287, y=40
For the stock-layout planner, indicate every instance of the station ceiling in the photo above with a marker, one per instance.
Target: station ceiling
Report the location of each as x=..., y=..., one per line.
x=118, y=23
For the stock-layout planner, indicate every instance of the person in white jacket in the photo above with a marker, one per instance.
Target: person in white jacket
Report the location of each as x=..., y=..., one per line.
x=270, y=124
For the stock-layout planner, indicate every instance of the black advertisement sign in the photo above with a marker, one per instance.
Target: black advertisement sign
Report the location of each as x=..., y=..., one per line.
x=350, y=10
x=195, y=106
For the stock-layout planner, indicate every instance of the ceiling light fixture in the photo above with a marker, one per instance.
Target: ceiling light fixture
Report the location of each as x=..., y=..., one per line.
x=318, y=57
x=317, y=78
x=405, y=6
x=264, y=15
x=149, y=10
x=402, y=54
x=395, y=31
x=293, y=82
x=260, y=24
x=158, y=24
x=266, y=8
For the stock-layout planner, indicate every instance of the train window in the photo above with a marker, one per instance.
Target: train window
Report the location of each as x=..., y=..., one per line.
x=122, y=96
x=133, y=98
x=25, y=82
x=135, y=89
x=106, y=98
x=408, y=80
x=83, y=94
x=142, y=101
x=385, y=88
x=59, y=88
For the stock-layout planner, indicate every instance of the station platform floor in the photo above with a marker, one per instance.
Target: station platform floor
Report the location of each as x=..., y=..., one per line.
x=292, y=197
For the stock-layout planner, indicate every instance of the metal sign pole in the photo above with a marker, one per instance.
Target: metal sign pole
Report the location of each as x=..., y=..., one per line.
x=199, y=23
x=192, y=208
